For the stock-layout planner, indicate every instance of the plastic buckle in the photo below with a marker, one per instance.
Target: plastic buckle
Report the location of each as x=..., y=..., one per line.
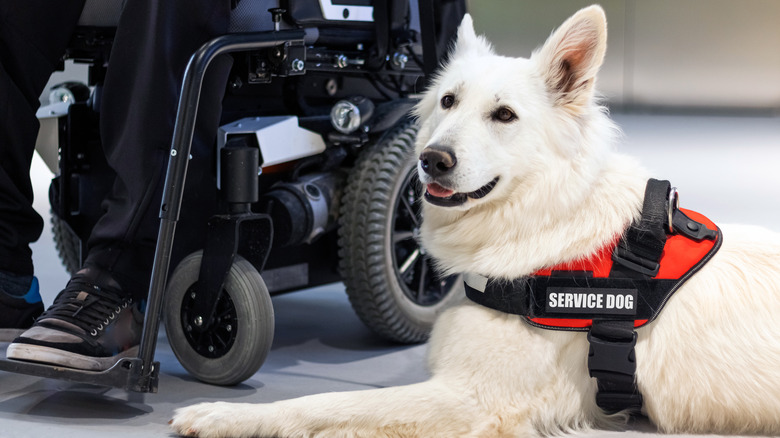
x=632, y=261
x=611, y=357
x=692, y=229
x=613, y=364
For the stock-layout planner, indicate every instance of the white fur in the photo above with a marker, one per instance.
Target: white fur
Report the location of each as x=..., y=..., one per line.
x=709, y=363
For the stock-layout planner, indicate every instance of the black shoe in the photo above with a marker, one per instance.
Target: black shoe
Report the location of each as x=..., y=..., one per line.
x=88, y=327
x=19, y=313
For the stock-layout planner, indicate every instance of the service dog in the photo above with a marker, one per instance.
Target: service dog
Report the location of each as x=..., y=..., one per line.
x=518, y=160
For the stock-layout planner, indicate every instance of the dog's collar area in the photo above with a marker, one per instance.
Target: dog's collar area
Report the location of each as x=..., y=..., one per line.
x=609, y=295
x=457, y=199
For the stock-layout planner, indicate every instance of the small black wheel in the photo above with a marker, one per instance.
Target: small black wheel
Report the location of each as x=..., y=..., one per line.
x=67, y=243
x=390, y=280
x=239, y=340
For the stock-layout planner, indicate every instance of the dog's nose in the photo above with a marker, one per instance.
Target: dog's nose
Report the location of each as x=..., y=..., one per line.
x=437, y=161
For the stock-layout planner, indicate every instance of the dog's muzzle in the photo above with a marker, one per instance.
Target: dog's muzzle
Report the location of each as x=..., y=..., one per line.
x=438, y=162
x=456, y=199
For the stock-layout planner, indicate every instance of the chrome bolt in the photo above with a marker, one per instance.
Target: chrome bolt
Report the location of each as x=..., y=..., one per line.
x=400, y=59
x=341, y=61
x=198, y=321
x=297, y=65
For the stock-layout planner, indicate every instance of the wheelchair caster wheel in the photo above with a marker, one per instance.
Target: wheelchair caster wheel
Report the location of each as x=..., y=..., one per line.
x=236, y=345
x=391, y=283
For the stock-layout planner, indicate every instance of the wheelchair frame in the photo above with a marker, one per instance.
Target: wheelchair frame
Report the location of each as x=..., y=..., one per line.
x=141, y=373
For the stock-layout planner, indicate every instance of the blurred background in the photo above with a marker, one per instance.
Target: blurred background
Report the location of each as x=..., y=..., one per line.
x=700, y=55
x=706, y=55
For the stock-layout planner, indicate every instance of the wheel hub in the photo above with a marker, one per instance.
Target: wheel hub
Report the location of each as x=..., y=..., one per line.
x=216, y=340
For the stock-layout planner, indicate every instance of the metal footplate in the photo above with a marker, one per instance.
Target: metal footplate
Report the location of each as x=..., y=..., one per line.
x=126, y=374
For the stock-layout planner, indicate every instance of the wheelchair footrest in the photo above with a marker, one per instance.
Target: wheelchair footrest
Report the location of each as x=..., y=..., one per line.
x=125, y=374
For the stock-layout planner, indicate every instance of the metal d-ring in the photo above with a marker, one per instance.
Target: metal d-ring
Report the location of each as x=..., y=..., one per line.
x=674, y=204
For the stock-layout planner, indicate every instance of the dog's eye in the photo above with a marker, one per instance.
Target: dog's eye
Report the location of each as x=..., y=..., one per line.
x=504, y=114
x=447, y=101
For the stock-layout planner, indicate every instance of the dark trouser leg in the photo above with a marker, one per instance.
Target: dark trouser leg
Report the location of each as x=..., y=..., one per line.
x=33, y=37
x=153, y=44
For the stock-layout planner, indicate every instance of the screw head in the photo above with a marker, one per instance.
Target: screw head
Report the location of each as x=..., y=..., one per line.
x=400, y=59
x=341, y=61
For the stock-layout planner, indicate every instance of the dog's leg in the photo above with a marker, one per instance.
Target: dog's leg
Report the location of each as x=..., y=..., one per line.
x=493, y=375
x=429, y=409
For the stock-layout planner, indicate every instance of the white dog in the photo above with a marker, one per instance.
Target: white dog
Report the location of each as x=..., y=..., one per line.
x=521, y=175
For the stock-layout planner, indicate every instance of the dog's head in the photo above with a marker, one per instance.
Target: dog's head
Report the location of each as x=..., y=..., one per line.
x=491, y=124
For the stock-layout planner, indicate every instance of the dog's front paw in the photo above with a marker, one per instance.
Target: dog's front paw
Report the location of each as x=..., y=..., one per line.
x=210, y=420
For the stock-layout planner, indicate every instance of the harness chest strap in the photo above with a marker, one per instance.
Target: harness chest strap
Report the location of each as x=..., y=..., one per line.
x=613, y=292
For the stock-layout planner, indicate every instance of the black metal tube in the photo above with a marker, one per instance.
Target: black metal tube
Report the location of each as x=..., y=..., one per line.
x=176, y=175
x=428, y=30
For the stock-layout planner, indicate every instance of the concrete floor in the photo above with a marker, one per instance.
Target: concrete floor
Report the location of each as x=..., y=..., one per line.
x=725, y=167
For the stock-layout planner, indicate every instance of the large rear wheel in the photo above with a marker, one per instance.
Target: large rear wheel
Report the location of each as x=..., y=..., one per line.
x=390, y=280
x=67, y=244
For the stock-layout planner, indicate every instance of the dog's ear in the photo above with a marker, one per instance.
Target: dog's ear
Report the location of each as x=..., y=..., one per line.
x=467, y=42
x=572, y=56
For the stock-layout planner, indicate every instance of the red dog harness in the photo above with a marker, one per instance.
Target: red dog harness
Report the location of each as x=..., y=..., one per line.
x=614, y=291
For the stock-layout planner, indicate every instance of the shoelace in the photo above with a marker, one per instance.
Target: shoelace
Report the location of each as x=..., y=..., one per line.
x=87, y=306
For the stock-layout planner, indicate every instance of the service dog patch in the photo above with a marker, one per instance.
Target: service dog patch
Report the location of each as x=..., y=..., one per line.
x=591, y=301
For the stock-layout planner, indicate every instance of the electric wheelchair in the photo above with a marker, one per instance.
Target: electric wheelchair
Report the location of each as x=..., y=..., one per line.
x=314, y=180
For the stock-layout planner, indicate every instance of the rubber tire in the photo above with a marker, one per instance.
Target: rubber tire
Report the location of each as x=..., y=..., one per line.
x=366, y=262
x=67, y=243
x=255, y=323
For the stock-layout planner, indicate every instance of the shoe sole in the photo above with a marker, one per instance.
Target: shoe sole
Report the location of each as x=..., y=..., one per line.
x=53, y=356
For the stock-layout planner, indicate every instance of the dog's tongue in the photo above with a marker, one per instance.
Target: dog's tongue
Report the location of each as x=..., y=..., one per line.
x=439, y=191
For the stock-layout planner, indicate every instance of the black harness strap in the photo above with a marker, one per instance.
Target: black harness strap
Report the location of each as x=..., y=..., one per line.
x=641, y=248
x=611, y=359
x=382, y=29
x=509, y=297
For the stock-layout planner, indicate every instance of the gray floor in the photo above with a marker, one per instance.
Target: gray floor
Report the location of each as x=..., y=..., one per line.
x=725, y=167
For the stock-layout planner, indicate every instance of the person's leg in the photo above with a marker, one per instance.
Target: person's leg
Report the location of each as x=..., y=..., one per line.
x=140, y=100
x=98, y=317
x=33, y=37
